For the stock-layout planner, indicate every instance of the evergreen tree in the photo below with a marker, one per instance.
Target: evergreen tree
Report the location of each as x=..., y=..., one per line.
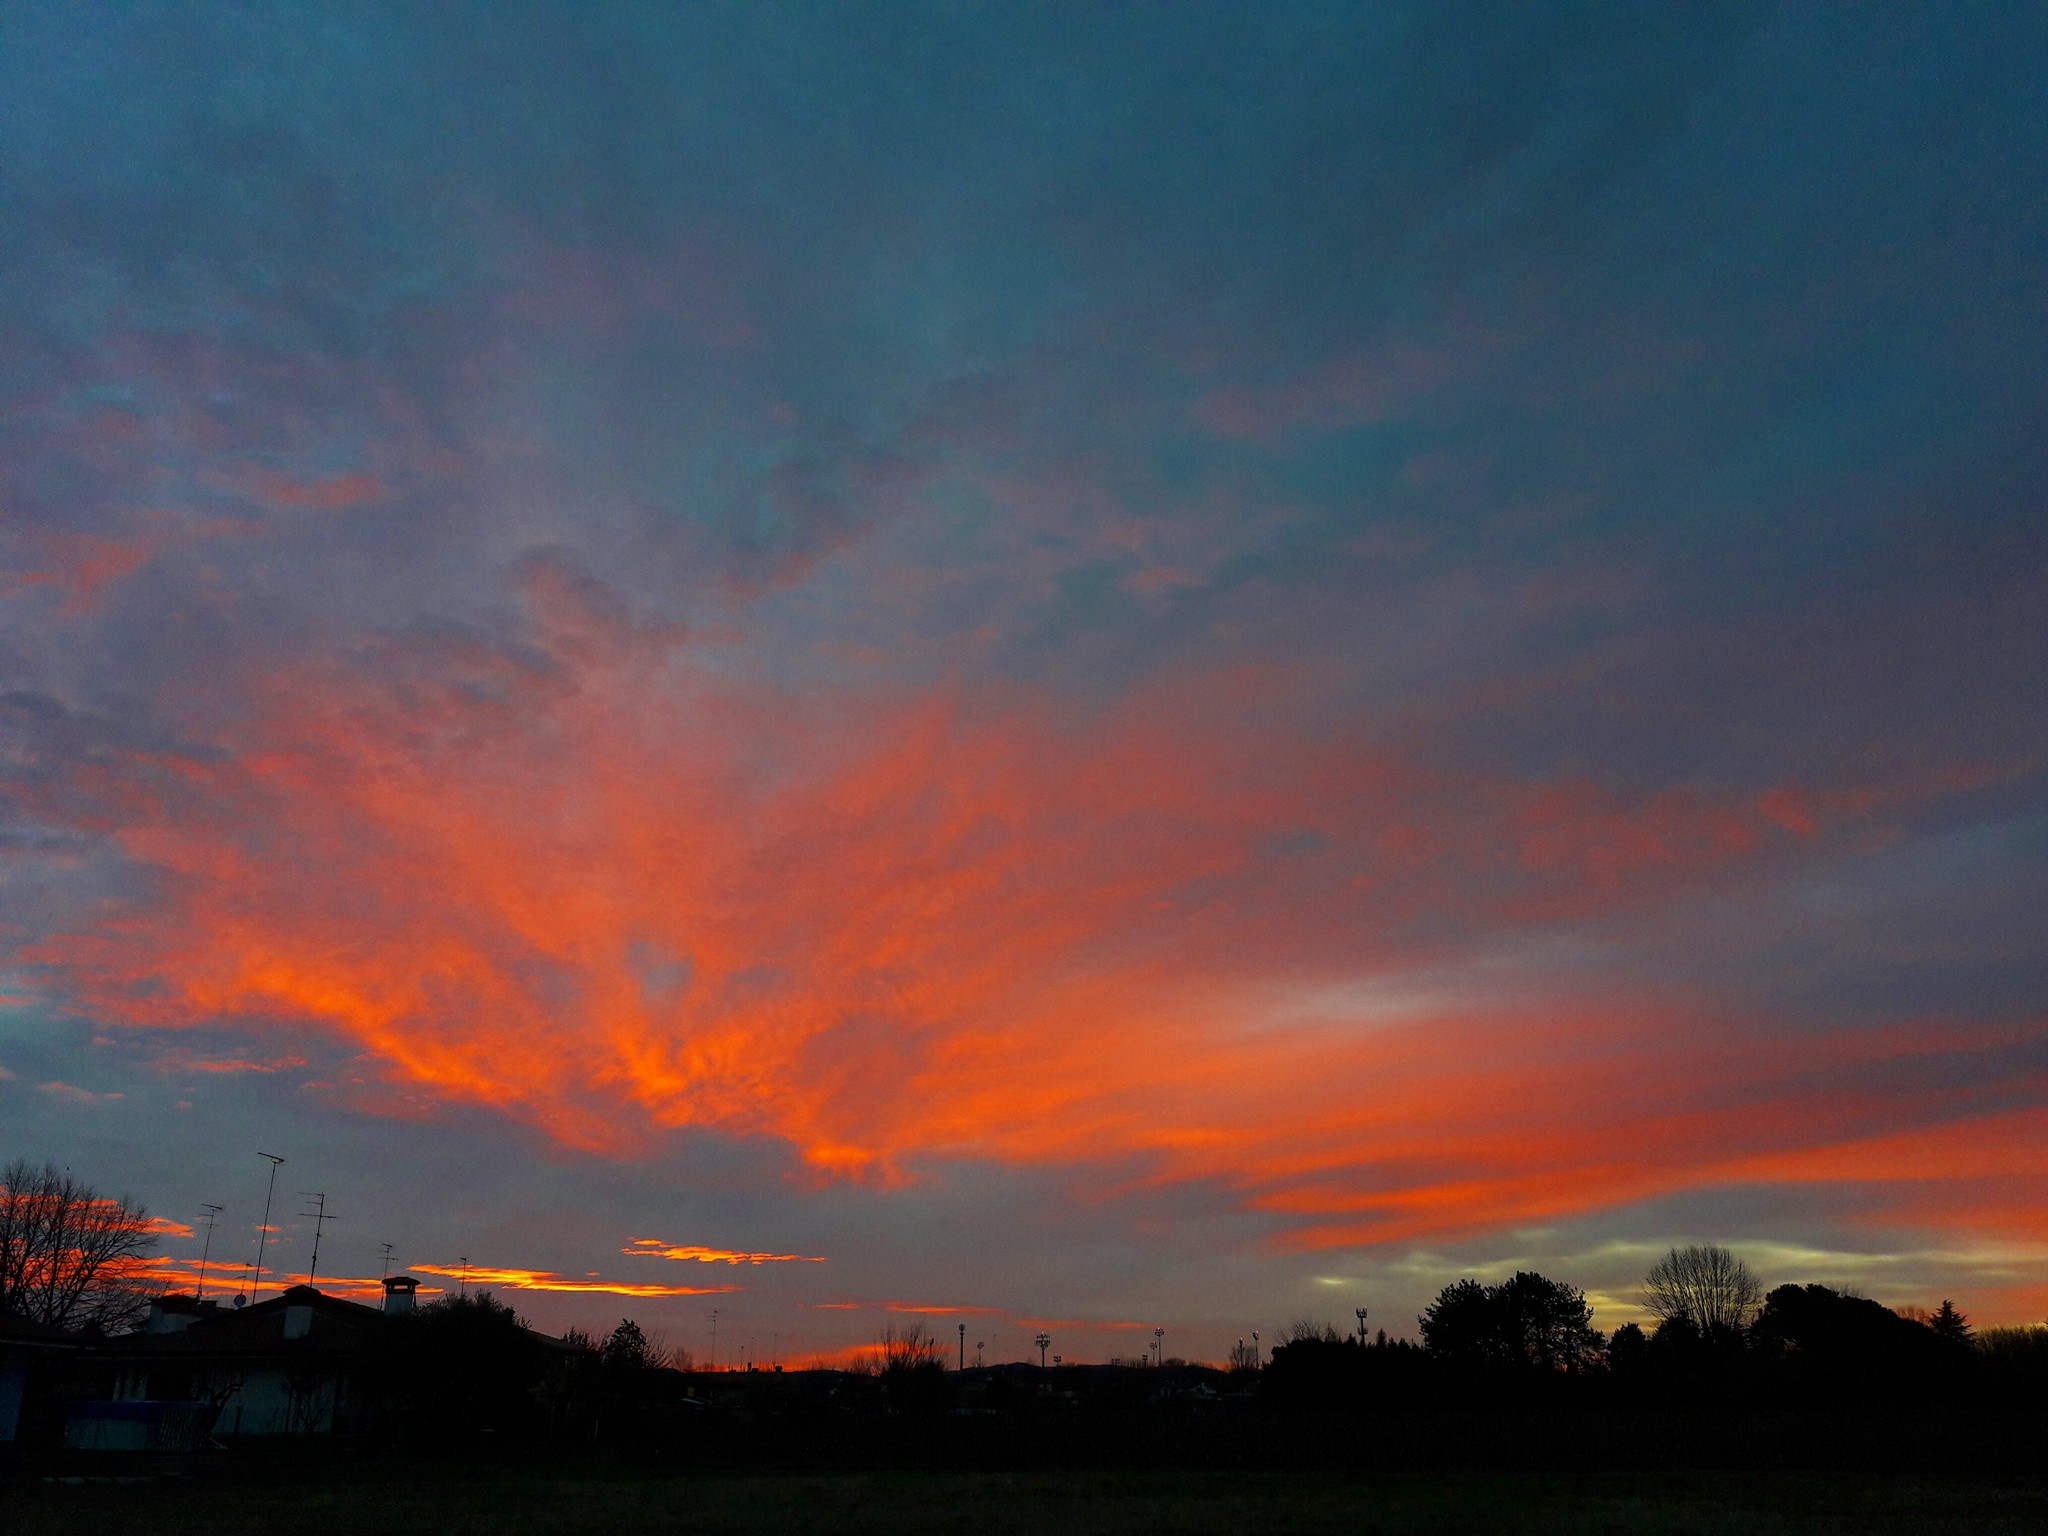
x=1951, y=1324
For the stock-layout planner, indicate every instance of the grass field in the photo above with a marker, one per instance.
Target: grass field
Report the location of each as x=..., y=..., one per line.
x=995, y=1504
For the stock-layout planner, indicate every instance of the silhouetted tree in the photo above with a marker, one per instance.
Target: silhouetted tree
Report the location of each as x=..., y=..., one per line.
x=1707, y=1285
x=626, y=1348
x=908, y=1349
x=1951, y=1324
x=1817, y=1339
x=1628, y=1350
x=1307, y=1329
x=463, y=1367
x=1527, y=1321
x=1462, y=1323
x=911, y=1362
x=70, y=1257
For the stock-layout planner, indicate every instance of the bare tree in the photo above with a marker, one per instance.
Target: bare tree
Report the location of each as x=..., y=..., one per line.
x=70, y=1257
x=909, y=1349
x=1704, y=1284
x=665, y=1354
x=1306, y=1330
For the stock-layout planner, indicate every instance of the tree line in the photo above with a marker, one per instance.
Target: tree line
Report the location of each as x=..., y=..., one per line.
x=75, y=1259
x=1717, y=1336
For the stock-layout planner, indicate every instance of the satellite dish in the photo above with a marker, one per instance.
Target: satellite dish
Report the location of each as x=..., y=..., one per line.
x=241, y=1301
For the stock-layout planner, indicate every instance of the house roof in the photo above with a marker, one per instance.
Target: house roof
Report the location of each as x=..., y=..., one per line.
x=260, y=1329
x=335, y=1325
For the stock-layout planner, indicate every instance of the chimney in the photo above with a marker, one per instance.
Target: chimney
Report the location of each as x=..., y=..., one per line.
x=398, y=1295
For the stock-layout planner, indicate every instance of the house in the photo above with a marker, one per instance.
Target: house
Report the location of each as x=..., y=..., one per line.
x=301, y=1363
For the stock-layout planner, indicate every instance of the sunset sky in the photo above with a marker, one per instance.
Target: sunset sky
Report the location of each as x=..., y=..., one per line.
x=1086, y=667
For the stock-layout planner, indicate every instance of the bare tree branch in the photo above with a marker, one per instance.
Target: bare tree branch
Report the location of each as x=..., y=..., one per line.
x=1706, y=1285
x=70, y=1257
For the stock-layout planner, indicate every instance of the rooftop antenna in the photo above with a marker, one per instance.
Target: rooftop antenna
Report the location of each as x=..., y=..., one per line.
x=319, y=1217
x=205, y=1253
x=263, y=1232
x=387, y=1260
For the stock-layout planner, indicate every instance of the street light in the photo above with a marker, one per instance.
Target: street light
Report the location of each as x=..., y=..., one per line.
x=1043, y=1341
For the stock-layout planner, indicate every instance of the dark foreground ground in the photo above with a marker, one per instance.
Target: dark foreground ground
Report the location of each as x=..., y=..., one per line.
x=474, y=1503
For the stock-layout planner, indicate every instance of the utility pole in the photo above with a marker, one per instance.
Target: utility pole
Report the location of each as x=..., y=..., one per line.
x=205, y=1253
x=319, y=1217
x=464, y=1292
x=963, y=1348
x=714, y=1338
x=263, y=1232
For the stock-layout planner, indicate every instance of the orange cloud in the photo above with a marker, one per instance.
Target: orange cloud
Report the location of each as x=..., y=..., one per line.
x=1180, y=935
x=654, y=1248
x=547, y=1280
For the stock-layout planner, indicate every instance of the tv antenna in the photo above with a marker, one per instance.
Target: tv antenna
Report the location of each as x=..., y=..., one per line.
x=205, y=1253
x=319, y=1217
x=387, y=1259
x=263, y=1232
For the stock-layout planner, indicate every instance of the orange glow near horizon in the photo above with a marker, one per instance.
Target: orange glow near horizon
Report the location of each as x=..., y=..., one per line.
x=1183, y=939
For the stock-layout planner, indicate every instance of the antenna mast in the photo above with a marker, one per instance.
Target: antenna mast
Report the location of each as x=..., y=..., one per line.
x=319, y=1217
x=263, y=1232
x=205, y=1253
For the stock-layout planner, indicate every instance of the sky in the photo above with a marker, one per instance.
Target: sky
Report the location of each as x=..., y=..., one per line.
x=1070, y=668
